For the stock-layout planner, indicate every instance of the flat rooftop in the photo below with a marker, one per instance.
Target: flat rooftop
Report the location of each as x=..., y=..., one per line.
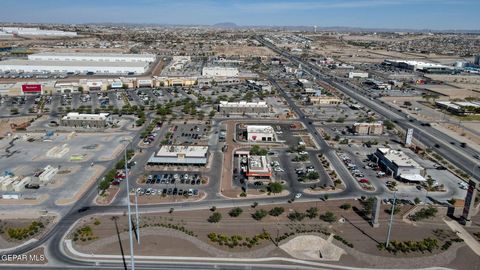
x=34, y=63
x=104, y=55
x=258, y=166
x=399, y=158
x=243, y=104
x=84, y=116
x=379, y=123
x=177, y=154
x=260, y=129
x=187, y=151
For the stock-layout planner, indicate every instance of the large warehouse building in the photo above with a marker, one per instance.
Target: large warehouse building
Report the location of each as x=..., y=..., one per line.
x=220, y=72
x=33, y=31
x=81, y=67
x=94, y=57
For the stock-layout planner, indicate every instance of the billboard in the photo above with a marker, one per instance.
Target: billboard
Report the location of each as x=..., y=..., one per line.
x=409, y=137
x=32, y=88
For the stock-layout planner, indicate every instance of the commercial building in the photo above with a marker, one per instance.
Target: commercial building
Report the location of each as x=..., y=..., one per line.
x=47, y=175
x=243, y=107
x=178, y=63
x=67, y=87
x=77, y=120
x=397, y=164
x=78, y=67
x=312, y=92
x=32, y=31
x=220, y=72
x=256, y=133
x=258, y=168
x=92, y=57
x=179, y=155
x=259, y=85
x=368, y=128
x=144, y=83
x=352, y=75
x=176, y=81
x=116, y=84
x=460, y=107
x=305, y=83
x=205, y=82
x=378, y=84
x=419, y=66
x=324, y=100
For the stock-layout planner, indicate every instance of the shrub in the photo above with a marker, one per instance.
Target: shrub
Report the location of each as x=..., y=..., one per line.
x=275, y=187
x=259, y=214
x=395, y=211
x=296, y=216
x=312, y=212
x=424, y=213
x=215, y=217
x=235, y=212
x=345, y=206
x=339, y=238
x=328, y=217
x=276, y=211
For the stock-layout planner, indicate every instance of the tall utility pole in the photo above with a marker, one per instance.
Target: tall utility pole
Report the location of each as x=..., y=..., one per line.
x=132, y=256
x=391, y=219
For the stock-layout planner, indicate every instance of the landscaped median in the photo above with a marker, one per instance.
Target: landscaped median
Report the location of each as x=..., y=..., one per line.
x=258, y=231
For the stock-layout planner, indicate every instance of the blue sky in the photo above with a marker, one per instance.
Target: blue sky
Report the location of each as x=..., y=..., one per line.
x=415, y=14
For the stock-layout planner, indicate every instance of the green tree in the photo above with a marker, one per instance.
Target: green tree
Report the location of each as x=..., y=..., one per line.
x=275, y=187
x=388, y=124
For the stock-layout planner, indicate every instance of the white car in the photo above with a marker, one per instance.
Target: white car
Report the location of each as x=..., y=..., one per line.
x=298, y=195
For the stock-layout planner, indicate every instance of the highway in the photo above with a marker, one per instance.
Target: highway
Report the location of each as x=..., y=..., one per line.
x=429, y=136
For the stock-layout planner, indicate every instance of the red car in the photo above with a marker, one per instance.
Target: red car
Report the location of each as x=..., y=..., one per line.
x=363, y=180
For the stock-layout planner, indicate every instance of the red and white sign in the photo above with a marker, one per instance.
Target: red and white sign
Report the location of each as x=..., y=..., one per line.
x=31, y=88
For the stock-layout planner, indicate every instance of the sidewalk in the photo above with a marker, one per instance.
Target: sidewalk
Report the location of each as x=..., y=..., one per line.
x=462, y=233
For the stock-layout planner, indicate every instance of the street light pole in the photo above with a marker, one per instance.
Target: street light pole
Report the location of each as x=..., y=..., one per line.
x=136, y=217
x=132, y=256
x=391, y=219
